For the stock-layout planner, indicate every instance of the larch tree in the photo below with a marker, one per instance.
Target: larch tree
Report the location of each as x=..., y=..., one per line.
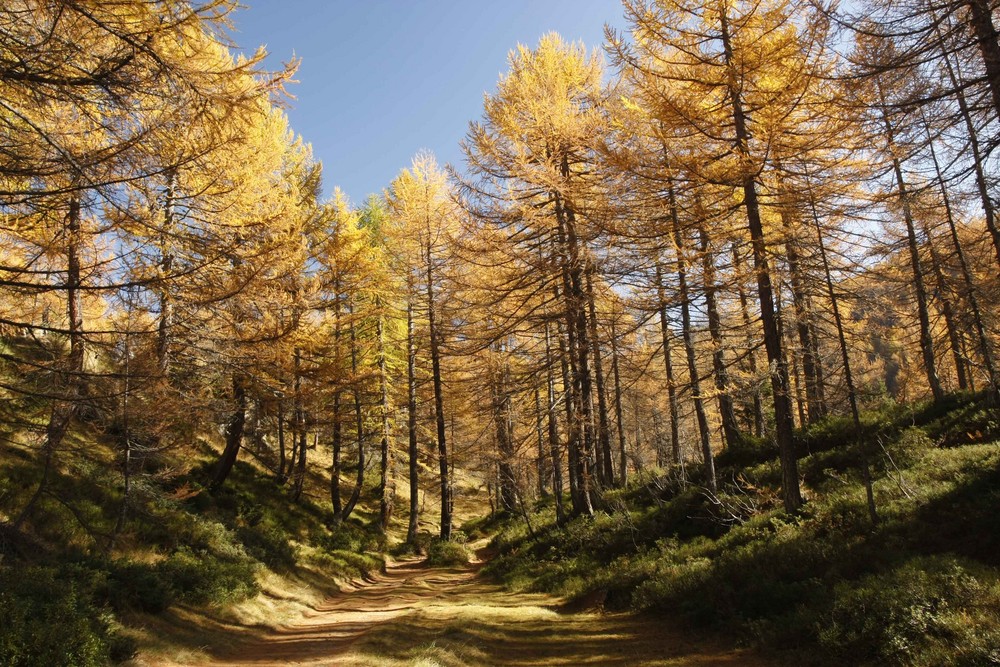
x=531, y=178
x=420, y=202
x=725, y=80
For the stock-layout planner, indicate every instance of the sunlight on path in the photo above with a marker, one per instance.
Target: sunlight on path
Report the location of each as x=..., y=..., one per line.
x=416, y=615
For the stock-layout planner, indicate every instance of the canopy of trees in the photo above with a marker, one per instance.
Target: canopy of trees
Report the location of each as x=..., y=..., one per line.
x=741, y=217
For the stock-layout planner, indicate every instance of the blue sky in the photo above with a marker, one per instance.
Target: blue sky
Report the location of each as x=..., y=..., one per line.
x=382, y=79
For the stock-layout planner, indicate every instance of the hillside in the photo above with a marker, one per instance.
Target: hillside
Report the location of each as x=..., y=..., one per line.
x=824, y=586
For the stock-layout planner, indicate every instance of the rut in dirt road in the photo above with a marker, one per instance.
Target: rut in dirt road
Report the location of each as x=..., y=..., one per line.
x=418, y=615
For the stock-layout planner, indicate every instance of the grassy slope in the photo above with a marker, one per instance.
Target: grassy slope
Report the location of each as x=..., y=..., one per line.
x=188, y=564
x=920, y=588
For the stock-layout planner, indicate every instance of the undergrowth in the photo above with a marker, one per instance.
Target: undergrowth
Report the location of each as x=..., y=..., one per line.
x=921, y=587
x=66, y=585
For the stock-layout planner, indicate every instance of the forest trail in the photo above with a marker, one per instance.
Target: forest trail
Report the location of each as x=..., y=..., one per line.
x=420, y=615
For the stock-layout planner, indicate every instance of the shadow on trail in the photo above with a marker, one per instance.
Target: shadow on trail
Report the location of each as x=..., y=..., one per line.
x=416, y=614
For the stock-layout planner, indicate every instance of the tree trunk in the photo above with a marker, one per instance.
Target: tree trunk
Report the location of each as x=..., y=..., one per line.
x=338, y=428
x=751, y=356
x=359, y=424
x=803, y=315
x=926, y=340
x=234, y=435
x=970, y=287
x=166, y=266
x=604, y=465
x=852, y=394
x=71, y=381
x=282, y=462
x=708, y=460
x=553, y=429
x=619, y=414
x=784, y=429
x=337, y=445
x=541, y=475
x=981, y=19
x=581, y=433
x=947, y=310
x=300, y=429
x=668, y=366
x=572, y=427
x=730, y=428
x=446, y=501
x=503, y=421
x=385, y=492
x=411, y=426
x=986, y=201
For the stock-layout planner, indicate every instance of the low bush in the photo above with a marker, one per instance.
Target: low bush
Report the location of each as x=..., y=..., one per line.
x=447, y=553
x=920, y=587
x=203, y=578
x=49, y=618
x=346, y=564
x=269, y=545
x=139, y=586
x=929, y=611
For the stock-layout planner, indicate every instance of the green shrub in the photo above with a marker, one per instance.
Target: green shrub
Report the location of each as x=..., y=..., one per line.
x=747, y=451
x=443, y=552
x=268, y=544
x=49, y=618
x=347, y=536
x=139, y=586
x=344, y=564
x=417, y=548
x=203, y=578
x=922, y=613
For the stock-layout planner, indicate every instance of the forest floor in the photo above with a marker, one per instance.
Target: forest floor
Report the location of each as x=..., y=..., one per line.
x=415, y=614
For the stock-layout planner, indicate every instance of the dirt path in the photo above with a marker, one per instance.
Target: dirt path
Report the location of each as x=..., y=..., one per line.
x=417, y=615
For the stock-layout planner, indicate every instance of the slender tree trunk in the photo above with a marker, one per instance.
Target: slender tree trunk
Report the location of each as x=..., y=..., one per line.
x=166, y=266
x=446, y=501
x=796, y=380
x=540, y=469
x=300, y=430
x=986, y=201
x=969, y=284
x=784, y=429
x=503, y=423
x=300, y=470
x=852, y=394
x=581, y=433
x=668, y=367
x=385, y=492
x=337, y=446
x=619, y=414
x=604, y=466
x=694, y=379
x=553, y=428
x=730, y=428
x=411, y=425
x=951, y=324
x=803, y=315
x=71, y=381
x=926, y=340
x=282, y=458
x=751, y=356
x=126, y=393
x=337, y=437
x=572, y=426
x=359, y=423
